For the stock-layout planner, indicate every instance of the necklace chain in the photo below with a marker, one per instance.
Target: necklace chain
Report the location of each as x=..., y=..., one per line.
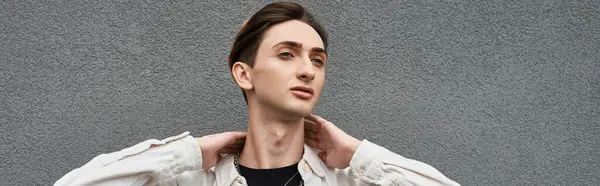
x=236, y=162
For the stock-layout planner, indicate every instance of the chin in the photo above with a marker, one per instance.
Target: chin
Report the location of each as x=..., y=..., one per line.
x=299, y=110
x=291, y=107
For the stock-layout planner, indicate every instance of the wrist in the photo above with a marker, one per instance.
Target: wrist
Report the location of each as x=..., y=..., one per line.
x=353, y=145
x=351, y=148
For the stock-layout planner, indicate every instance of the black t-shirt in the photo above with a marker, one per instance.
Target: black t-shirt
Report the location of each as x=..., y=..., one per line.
x=271, y=177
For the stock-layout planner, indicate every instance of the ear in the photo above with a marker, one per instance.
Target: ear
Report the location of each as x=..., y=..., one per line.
x=242, y=73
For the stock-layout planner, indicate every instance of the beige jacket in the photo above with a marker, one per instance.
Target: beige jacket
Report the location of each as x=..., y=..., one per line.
x=178, y=161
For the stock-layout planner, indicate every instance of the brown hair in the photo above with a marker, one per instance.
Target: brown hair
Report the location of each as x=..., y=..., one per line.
x=249, y=37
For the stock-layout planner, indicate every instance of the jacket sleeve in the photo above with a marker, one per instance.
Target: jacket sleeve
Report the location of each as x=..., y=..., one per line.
x=150, y=162
x=376, y=165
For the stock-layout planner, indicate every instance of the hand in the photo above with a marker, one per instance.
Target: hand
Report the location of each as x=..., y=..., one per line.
x=337, y=147
x=212, y=146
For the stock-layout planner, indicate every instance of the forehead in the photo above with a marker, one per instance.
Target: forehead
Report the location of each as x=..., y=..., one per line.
x=293, y=30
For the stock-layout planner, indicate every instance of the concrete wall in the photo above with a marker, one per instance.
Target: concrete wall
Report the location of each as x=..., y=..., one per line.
x=488, y=92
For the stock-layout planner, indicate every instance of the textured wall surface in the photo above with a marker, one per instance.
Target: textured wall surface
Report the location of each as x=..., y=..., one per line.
x=489, y=93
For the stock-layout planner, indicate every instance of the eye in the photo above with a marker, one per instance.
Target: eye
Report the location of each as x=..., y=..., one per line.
x=317, y=61
x=285, y=55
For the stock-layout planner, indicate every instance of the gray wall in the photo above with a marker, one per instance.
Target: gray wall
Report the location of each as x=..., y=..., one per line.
x=489, y=93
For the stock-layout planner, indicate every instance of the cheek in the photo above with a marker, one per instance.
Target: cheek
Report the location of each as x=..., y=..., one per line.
x=320, y=83
x=269, y=79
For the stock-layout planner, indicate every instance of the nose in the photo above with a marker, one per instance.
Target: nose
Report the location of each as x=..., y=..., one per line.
x=306, y=71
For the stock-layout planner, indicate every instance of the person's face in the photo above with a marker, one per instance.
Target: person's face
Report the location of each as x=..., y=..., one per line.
x=289, y=69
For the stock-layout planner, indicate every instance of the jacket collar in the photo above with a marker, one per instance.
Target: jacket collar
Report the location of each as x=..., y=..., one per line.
x=226, y=173
x=314, y=162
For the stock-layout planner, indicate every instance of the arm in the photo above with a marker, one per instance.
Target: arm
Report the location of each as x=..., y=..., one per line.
x=361, y=163
x=154, y=162
x=376, y=165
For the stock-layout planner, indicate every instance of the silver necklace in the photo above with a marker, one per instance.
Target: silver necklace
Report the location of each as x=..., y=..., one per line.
x=236, y=162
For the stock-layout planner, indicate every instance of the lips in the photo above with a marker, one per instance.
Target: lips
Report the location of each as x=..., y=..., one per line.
x=303, y=89
x=302, y=92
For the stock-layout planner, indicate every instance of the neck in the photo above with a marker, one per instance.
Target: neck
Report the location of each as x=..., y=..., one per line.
x=273, y=140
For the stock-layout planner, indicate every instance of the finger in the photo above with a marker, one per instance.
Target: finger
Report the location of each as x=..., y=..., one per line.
x=239, y=146
x=228, y=137
x=217, y=141
x=240, y=141
x=314, y=118
x=323, y=156
x=309, y=125
x=237, y=135
x=312, y=143
x=230, y=150
x=310, y=134
x=234, y=146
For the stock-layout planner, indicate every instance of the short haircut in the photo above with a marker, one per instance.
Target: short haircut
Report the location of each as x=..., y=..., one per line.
x=246, y=44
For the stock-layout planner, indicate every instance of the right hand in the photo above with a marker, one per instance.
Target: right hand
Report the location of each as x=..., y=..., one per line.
x=212, y=146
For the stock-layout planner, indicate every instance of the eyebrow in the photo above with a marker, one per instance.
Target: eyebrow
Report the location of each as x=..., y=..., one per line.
x=294, y=44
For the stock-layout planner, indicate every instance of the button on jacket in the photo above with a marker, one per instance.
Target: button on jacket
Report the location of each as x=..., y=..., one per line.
x=177, y=160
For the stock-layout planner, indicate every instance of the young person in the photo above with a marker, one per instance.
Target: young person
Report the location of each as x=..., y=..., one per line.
x=278, y=59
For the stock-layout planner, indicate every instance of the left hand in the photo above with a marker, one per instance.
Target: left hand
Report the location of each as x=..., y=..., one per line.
x=337, y=147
